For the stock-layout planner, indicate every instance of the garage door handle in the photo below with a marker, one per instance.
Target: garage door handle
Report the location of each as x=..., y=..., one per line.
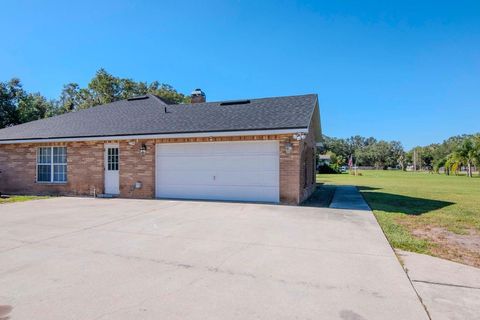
x=213, y=177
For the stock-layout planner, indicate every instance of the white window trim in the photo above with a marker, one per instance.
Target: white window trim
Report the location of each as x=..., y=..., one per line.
x=51, y=164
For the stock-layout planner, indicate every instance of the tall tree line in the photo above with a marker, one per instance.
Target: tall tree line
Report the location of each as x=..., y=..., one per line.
x=19, y=106
x=451, y=156
x=365, y=151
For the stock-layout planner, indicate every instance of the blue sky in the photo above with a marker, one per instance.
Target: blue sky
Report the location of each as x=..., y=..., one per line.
x=395, y=70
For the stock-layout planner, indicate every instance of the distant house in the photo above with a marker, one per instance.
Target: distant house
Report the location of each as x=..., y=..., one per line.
x=245, y=150
x=324, y=159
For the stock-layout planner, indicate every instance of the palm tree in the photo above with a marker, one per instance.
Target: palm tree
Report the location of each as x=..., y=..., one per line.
x=439, y=164
x=451, y=165
x=476, y=145
x=466, y=154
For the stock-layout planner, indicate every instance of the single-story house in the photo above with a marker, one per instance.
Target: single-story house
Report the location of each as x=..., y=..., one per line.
x=324, y=159
x=245, y=150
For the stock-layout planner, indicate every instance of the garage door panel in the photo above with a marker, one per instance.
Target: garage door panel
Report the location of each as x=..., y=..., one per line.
x=212, y=193
x=248, y=162
x=246, y=171
x=264, y=178
x=213, y=178
x=172, y=177
x=194, y=149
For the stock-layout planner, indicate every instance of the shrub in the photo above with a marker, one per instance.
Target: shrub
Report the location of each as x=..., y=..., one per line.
x=328, y=168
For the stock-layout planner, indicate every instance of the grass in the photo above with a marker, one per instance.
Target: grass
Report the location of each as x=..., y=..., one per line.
x=20, y=199
x=422, y=212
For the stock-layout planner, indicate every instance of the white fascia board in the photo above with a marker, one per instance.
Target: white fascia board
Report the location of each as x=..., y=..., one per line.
x=164, y=135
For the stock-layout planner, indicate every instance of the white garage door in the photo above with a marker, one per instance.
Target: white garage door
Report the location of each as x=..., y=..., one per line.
x=242, y=171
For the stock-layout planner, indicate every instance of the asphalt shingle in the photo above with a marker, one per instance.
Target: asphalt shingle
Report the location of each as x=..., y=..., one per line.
x=148, y=116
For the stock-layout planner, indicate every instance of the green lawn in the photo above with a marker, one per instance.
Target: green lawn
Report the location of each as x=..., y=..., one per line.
x=19, y=199
x=422, y=212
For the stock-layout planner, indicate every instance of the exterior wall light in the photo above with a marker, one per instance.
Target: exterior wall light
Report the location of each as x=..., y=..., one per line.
x=288, y=147
x=143, y=149
x=299, y=136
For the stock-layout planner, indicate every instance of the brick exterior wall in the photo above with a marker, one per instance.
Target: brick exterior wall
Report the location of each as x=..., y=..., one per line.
x=84, y=169
x=85, y=162
x=308, y=166
x=135, y=167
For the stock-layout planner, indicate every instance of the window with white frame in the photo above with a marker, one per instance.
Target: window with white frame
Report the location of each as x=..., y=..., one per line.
x=52, y=164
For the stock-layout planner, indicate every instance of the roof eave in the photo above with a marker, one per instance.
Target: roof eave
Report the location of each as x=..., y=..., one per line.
x=230, y=133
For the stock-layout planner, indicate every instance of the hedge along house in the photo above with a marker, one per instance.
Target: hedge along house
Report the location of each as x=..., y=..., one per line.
x=247, y=150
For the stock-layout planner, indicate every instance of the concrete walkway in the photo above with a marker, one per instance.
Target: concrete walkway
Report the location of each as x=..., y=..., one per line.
x=449, y=290
x=348, y=197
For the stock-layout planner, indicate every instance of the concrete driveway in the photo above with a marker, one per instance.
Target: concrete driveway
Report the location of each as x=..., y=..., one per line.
x=80, y=258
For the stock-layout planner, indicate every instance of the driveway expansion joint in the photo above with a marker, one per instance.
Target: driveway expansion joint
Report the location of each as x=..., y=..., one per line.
x=447, y=284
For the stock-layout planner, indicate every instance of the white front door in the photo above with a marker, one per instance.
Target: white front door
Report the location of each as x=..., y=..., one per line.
x=112, y=177
x=245, y=171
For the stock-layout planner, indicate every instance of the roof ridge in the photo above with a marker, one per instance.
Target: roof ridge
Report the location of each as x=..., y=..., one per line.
x=157, y=98
x=266, y=98
x=252, y=99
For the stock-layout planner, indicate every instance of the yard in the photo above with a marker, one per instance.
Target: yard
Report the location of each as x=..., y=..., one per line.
x=19, y=199
x=421, y=212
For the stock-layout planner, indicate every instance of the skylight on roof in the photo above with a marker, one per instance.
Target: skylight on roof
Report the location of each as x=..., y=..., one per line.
x=231, y=103
x=137, y=98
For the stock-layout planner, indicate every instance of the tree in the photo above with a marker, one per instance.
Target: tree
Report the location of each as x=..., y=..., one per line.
x=336, y=160
x=17, y=106
x=105, y=88
x=69, y=98
x=10, y=93
x=465, y=154
x=337, y=146
x=451, y=164
x=382, y=155
x=402, y=161
x=439, y=164
x=130, y=88
x=476, y=144
x=397, y=155
x=368, y=151
x=34, y=106
x=167, y=93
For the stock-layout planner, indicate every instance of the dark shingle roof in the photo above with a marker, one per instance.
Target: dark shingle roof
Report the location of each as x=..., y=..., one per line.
x=147, y=116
